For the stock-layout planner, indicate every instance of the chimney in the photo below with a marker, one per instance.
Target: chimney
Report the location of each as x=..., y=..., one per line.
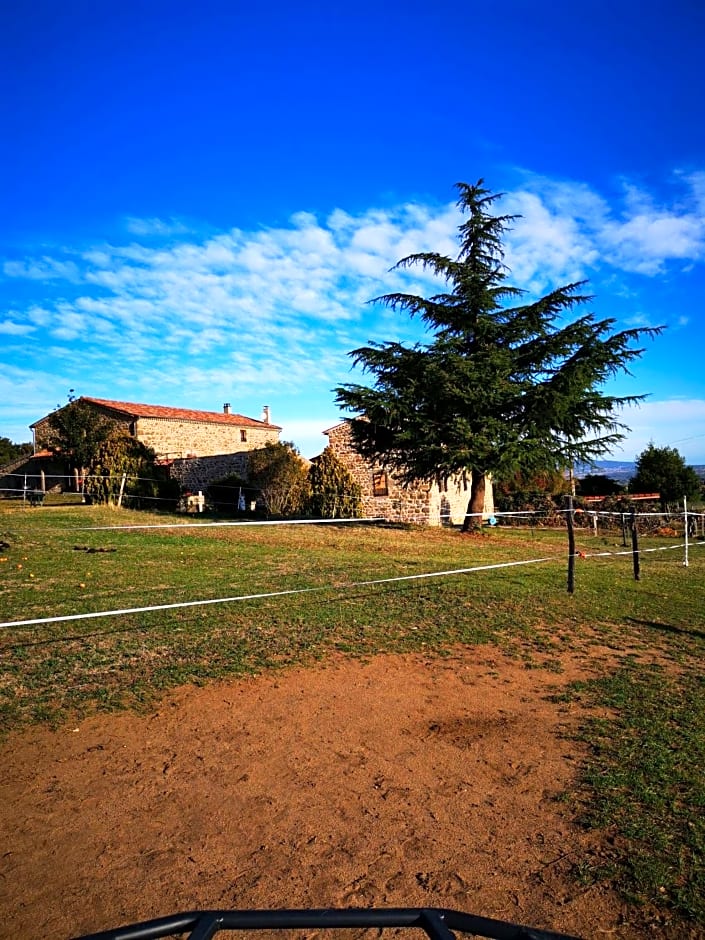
x=226, y=408
x=265, y=414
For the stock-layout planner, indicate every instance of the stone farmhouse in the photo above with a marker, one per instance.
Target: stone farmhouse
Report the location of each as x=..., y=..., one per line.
x=385, y=496
x=198, y=446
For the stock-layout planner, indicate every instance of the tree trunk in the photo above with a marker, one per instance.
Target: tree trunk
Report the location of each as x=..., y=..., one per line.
x=476, y=505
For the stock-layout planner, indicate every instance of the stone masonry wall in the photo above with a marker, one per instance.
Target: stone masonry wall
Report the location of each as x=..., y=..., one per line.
x=43, y=435
x=173, y=438
x=401, y=504
x=420, y=503
x=196, y=473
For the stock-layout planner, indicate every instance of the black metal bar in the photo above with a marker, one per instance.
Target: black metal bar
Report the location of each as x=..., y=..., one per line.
x=435, y=926
x=207, y=926
x=437, y=923
x=571, y=546
x=635, y=546
x=150, y=929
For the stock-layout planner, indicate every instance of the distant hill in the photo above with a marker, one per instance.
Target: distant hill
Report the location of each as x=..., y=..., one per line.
x=621, y=470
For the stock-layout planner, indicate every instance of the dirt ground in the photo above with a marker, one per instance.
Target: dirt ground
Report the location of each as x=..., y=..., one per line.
x=400, y=781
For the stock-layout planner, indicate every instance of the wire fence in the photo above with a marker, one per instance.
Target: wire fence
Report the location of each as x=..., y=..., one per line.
x=135, y=491
x=635, y=551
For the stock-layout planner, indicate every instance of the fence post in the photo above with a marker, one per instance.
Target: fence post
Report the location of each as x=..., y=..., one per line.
x=122, y=490
x=571, y=547
x=685, y=519
x=635, y=545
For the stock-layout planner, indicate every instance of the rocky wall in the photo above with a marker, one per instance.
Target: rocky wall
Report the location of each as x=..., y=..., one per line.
x=173, y=438
x=196, y=473
x=419, y=504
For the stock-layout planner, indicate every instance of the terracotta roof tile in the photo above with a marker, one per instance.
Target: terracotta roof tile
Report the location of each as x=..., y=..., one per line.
x=136, y=410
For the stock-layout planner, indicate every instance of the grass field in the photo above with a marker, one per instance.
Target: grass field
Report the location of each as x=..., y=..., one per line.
x=644, y=780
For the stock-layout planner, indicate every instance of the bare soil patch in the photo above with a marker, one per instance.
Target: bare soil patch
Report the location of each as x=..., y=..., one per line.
x=399, y=781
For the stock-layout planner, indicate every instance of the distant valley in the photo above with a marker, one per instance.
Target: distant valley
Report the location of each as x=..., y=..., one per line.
x=621, y=470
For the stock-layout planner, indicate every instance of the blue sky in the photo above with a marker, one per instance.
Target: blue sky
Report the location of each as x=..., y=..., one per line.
x=198, y=200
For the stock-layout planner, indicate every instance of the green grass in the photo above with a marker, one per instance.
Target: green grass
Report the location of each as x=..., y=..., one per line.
x=642, y=783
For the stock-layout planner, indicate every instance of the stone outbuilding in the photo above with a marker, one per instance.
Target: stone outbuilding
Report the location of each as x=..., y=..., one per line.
x=385, y=496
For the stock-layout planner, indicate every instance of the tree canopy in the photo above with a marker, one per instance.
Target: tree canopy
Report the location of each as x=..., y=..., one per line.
x=102, y=450
x=334, y=492
x=280, y=474
x=77, y=432
x=145, y=482
x=597, y=484
x=504, y=386
x=662, y=470
x=10, y=451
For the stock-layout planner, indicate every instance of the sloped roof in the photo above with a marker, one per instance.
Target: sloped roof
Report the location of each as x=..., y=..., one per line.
x=137, y=410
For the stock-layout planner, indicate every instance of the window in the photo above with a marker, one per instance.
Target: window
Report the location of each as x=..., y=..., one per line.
x=380, y=484
x=243, y=435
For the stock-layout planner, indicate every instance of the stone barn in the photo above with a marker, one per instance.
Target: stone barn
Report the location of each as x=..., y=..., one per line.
x=385, y=496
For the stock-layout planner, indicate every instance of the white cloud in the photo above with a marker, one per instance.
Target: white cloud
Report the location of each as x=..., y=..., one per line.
x=639, y=236
x=546, y=247
x=272, y=313
x=159, y=227
x=11, y=328
x=44, y=269
x=645, y=242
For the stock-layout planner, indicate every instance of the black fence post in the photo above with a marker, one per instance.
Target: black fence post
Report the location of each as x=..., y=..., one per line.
x=635, y=545
x=571, y=546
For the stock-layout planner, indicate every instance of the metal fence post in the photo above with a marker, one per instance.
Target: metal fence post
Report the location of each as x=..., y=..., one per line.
x=635, y=546
x=685, y=520
x=571, y=547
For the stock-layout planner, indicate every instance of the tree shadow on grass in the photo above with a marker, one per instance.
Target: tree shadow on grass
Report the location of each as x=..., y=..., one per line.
x=667, y=627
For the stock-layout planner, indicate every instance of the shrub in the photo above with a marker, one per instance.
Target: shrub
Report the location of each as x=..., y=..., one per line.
x=281, y=476
x=334, y=492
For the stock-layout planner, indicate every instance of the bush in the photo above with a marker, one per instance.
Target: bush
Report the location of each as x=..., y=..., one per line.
x=281, y=476
x=334, y=492
x=543, y=505
x=120, y=457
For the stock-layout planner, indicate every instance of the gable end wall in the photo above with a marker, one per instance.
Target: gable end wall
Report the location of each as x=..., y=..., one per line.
x=418, y=503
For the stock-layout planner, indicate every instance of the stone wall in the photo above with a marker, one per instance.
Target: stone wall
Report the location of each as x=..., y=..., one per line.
x=418, y=503
x=196, y=473
x=174, y=438
x=43, y=433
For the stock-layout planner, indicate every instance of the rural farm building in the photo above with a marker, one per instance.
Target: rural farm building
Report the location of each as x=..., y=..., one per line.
x=384, y=495
x=178, y=432
x=199, y=446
